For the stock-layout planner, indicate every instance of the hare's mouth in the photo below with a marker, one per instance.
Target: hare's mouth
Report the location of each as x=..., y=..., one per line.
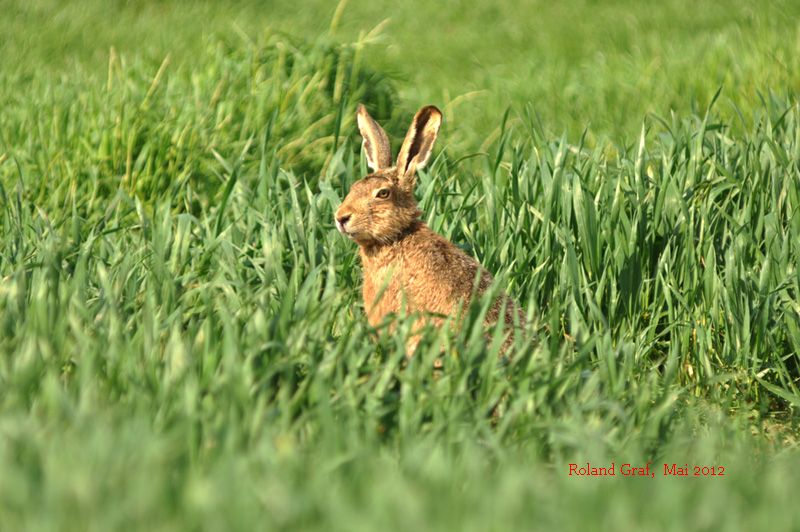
x=344, y=231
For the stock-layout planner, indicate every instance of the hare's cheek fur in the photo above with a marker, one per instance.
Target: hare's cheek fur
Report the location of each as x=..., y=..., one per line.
x=371, y=220
x=384, y=222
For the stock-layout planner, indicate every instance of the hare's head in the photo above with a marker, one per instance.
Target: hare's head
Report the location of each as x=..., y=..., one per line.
x=381, y=206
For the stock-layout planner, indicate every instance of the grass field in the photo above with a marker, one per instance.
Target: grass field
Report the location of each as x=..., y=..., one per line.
x=182, y=339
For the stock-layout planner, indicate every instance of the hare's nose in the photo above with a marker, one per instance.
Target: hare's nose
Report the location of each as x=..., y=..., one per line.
x=343, y=219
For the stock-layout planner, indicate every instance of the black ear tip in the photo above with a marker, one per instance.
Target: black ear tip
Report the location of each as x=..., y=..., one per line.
x=427, y=112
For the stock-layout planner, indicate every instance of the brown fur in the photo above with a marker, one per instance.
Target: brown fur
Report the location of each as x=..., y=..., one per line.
x=406, y=265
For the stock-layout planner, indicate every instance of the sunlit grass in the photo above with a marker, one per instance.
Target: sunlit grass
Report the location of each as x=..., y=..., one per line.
x=182, y=343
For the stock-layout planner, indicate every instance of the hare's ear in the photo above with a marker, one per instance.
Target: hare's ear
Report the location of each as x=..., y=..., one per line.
x=416, y=148
x=376, y=143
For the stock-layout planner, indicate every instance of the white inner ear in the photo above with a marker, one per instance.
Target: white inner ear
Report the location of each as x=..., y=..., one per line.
x=412, y=168
x=367, y=154
x=418, y=163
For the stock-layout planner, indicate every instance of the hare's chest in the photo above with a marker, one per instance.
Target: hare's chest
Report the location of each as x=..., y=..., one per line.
x=383, y=292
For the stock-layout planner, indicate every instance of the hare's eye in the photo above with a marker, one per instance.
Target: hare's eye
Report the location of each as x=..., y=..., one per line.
x=382, y=193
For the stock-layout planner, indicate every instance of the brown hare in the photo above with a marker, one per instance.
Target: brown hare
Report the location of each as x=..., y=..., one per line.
x=407, y=266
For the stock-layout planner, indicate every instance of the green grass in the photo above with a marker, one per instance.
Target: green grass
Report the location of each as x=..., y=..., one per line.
x=182, y=343
x=602, y=65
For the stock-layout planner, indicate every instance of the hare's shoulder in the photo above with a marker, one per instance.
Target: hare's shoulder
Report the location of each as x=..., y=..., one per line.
x=435, y=258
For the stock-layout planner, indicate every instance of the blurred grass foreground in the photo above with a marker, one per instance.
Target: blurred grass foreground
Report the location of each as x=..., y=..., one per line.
x=182, y=341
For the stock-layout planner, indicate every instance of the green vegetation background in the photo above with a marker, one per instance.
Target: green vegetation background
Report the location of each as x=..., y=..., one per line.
x=181, y=339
